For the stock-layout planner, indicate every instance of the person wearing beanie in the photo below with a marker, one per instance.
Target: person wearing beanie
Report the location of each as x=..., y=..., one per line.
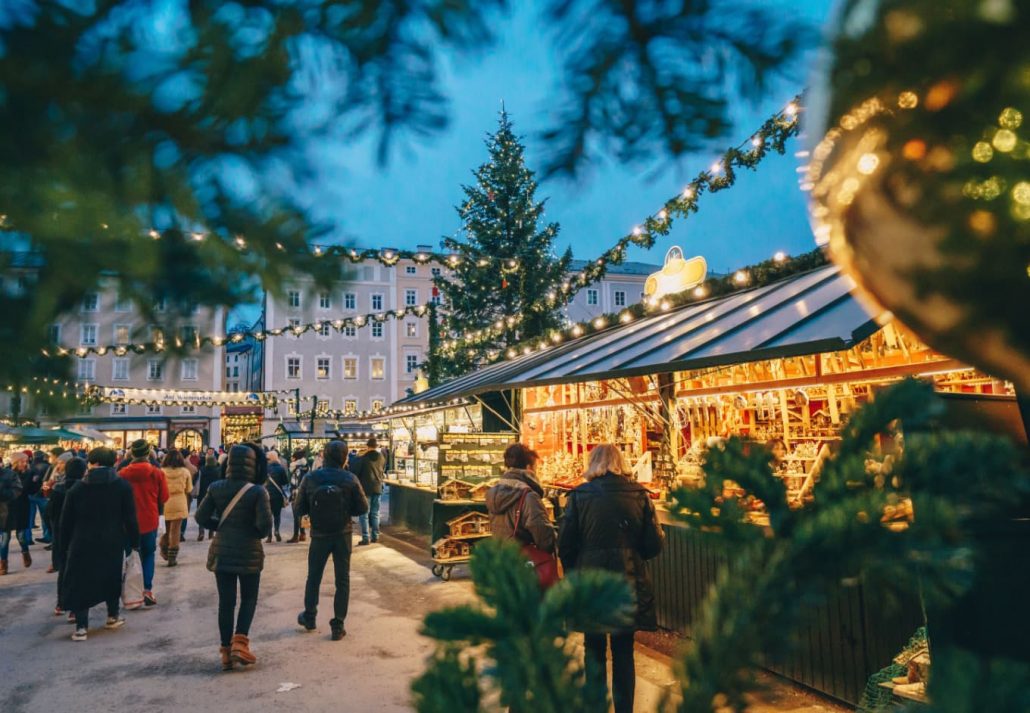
x=150, y=491
x=74, y=470
x=236, y=508
x=98, y=524
x=16, y=518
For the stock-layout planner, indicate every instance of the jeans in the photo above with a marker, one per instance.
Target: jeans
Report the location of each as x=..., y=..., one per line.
x=147, y=548
x=38, y=502
x=624, y=676
x=277, y=518
x=82, y=617
x=226, y=582
x=339, y=546
x=5, y=543
x=370, y=518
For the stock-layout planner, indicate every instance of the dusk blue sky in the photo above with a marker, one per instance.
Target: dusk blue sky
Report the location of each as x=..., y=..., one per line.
x=411, y=200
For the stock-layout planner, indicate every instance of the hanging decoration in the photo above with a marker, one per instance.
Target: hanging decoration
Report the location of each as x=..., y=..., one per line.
x=677, y=274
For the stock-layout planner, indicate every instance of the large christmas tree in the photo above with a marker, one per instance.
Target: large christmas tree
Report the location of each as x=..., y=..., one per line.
x=505, y=284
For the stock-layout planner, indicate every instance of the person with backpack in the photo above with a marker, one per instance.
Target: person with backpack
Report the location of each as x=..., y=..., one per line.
x=278, y=483
x=371, y=469
x=150, y=490
x=236, y=508
x=330, y=496
x=298, y=470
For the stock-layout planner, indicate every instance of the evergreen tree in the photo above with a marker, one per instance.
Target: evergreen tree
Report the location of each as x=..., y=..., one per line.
x=507, y=272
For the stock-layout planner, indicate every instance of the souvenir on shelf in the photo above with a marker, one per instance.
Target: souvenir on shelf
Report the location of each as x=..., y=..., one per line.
x=469, y=525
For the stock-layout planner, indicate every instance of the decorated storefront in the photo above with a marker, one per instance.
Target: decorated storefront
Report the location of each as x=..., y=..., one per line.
x=241, y=423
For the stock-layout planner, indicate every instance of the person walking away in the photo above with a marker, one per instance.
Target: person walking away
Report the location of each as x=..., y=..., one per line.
x=17, y=520
x=10, y=492
x=371, y=469
x=54, y=477
x=98, y=527
x=37, y=502
x=177, y=508
x=237, y=509
x=298, y=470
x=209, y=473
x=278, y=483
x=151, y=492
x=187, y=463
x=74, y=470
x=518, y=499
x=610, y=524
x=331, y=496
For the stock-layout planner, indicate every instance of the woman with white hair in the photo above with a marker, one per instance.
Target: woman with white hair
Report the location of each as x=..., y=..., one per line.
x=610, y=524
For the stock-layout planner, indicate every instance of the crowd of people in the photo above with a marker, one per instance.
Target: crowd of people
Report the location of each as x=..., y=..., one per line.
x=102, y=510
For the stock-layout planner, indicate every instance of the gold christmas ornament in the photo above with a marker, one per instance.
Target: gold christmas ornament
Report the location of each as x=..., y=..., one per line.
x=677, y=274
x=920, y=177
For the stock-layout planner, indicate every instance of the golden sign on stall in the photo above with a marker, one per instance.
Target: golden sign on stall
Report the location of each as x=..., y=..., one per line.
x=678, y=274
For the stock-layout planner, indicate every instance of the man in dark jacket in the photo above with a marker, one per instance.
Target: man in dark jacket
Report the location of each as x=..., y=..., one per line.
x=330, y=496
x=17, y=520
x=98, y=526
x=38, y=472
x=10, y=493
x=278, y=482
x=518, y=495
x=74, y=470
x=371, y=470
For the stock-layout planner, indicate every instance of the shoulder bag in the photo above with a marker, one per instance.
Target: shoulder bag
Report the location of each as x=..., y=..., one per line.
x=544, y=563
x=217, y=521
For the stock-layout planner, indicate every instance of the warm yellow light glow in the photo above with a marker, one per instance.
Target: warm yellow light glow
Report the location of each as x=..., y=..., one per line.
x=867, y=163
x=1004, y=140
x=780, y=256
x=908, y=100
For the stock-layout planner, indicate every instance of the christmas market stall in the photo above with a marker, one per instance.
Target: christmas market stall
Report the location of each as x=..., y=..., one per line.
x=786, y=362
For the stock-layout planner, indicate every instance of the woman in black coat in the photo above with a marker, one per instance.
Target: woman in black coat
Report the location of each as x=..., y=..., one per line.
x=98, y=525
x=74, y=470
x=237, y=509
x=610, y=524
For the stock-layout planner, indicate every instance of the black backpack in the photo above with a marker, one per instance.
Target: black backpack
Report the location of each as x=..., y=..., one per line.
x=328, y=508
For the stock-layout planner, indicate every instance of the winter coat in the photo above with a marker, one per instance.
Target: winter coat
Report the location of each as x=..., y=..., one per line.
x=10, y=491
x=54, y=510
x=354, y=501
x=208, y=475
x=18, y=509
x=277, y=483
x=236, y=547
x=610, y=524
x=502, y=503
x=150, y=490
x=36, y=475
x=370, y=472
x=180, y=483
x=98, y=524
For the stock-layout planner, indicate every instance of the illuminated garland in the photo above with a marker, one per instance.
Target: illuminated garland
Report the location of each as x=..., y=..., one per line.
x=777, y=268
x=178, y=397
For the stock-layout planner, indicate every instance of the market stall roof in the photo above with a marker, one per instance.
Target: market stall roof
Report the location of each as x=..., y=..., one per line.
x=89, y=434
x=27, y=434
x=296, y=430
x=808, y=313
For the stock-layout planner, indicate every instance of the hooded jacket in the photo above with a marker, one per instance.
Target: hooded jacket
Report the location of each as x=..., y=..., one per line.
x=150, y=491
x=371, y=468
x=502, y=503
x=73, y=473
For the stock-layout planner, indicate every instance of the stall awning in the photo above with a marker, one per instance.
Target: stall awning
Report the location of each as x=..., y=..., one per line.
x=805, y=314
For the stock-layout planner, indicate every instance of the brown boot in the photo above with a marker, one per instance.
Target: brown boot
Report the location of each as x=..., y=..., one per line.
x=303, y=536
x=226, y=658
x=241, y=651
x=268, y=539
x=173, y=556
x=293, y=540
x=163, y=546
x=26, y=559
x=3, y=567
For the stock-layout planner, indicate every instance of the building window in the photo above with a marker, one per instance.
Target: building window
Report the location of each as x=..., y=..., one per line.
x=350, y=300
x=293, y=367
x=377, y=405
x=155, y=370
x=378, y=368
x=591, y=297
x=118, y=409
x=294, y=323
x=411, y=329
x=235, y=358
x=160, y=304
x=87, y=370
x=88, y=336
x=350, y=368
x=189, y=334
x=620, y=298
x=410, y=298
x=120, y=370
x=91, y=302
x=153, y=409
x=436, y=299
x=236, y=372
x=189, y=369
x=377, y=330
x=322, y=368
x=410, y=363
x=228, y=372
x=293, y=298
x=350, y=407
x=122, y=304
x=435, y=271
x=350, y=331
x=325, y=300
x=323, y=329
x=377, y=303
x=54, y=333
x=190, y=409
x=410, y=270
x=121, y=333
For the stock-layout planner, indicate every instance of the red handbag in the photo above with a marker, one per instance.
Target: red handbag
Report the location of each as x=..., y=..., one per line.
x=545, y=563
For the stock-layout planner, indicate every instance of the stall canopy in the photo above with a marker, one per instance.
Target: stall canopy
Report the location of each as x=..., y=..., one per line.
x=808, y=313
